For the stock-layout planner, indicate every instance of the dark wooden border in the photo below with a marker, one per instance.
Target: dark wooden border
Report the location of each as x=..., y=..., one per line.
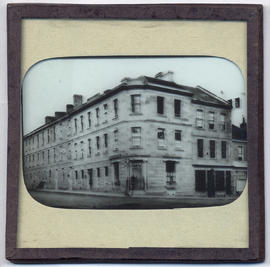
x=254, y=17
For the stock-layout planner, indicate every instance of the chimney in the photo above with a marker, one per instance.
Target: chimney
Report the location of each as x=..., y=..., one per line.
x=77, y=100
x=49, y=119
x=59, y=114
x=166, y=76
x=69, y=107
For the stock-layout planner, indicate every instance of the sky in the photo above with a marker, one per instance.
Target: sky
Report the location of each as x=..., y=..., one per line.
x=50, y=84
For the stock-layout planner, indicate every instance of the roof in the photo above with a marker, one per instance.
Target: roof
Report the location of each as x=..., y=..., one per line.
x=197, y=94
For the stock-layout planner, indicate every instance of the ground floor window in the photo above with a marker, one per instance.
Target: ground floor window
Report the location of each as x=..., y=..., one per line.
x=212, y=181
x=200, y=181
x=136, y=176
x=170, y=172
x=116, y=173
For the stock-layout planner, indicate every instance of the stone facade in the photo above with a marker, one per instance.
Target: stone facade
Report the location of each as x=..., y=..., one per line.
x=145, y=136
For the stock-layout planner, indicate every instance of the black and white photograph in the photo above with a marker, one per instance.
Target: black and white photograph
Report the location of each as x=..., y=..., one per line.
x=134, y=132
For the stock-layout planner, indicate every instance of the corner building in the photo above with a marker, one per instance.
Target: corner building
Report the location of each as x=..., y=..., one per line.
x=145, y=136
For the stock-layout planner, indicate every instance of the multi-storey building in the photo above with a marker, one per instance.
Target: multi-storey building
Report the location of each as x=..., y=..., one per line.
x=147, y=135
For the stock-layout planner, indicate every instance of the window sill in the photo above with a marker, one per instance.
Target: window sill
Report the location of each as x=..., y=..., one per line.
x=135, y=114
x=97, y=154
x=115, y=118
x=136, y=147
x=161, y=115
x=162, y=148
x=179, y=149
x=200, y=129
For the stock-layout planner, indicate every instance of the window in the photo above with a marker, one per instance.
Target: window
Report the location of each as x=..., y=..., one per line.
x=76, y=175
x=82, y=150
x=237, y=102
x=136, y=136
x=115, y=107
x=48, y=136
x=81, y=122
x=136, y=103
x=89, y=118
x=43, y=138
x=48, y=156
x=212, y=149
x=240, y=153
x=170, y=170
x=106, y=171
x=37, y=140
x=177, y=108
x=199, y=119
x=75, y=151
x=220, y=181
x=178, y=135
x=43, y=156
x=115, y=133
x=161, y=137
x=82, y=174
x=106, y=140
x=89, y=148
x=69, y=151
x=211, y=120
x=200, y=181
x=54, y=155
x=98, y=172
x=160, y=105
x=50, y=173
x=200, y=148
x=223, y=149
x=222, y=122
x=105, y=107
x=75, y=125
x=54, y=134
x=116, y=173
x=97, y=115
x=97, y=141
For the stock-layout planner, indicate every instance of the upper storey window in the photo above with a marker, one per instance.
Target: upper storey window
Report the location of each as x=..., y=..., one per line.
x=89, y=119
x=136, y=103
x=178, y=135
x=161, y=137
x=115, y=133
x=75, y=125
x=43, y=138
x=105, y=107
x=160, y=105
x=240, y=153
x=211, y=120
x=48, y=136
x=115, y=107
x=97, y=115
x=222, y=122
x=237, y=102
x=97, y=142
x=81, y=122
x=199, y=118
x=177, y=108
x=136, y=136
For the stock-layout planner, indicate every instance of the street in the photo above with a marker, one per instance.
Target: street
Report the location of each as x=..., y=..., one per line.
x=87, y=201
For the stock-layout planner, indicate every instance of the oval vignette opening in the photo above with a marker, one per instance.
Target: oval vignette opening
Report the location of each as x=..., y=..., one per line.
x=134, y=132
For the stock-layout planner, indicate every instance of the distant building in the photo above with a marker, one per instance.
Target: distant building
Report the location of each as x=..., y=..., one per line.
x=145, y=136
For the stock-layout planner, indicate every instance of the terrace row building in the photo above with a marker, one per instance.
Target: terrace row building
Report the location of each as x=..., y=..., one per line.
x=145, y=136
